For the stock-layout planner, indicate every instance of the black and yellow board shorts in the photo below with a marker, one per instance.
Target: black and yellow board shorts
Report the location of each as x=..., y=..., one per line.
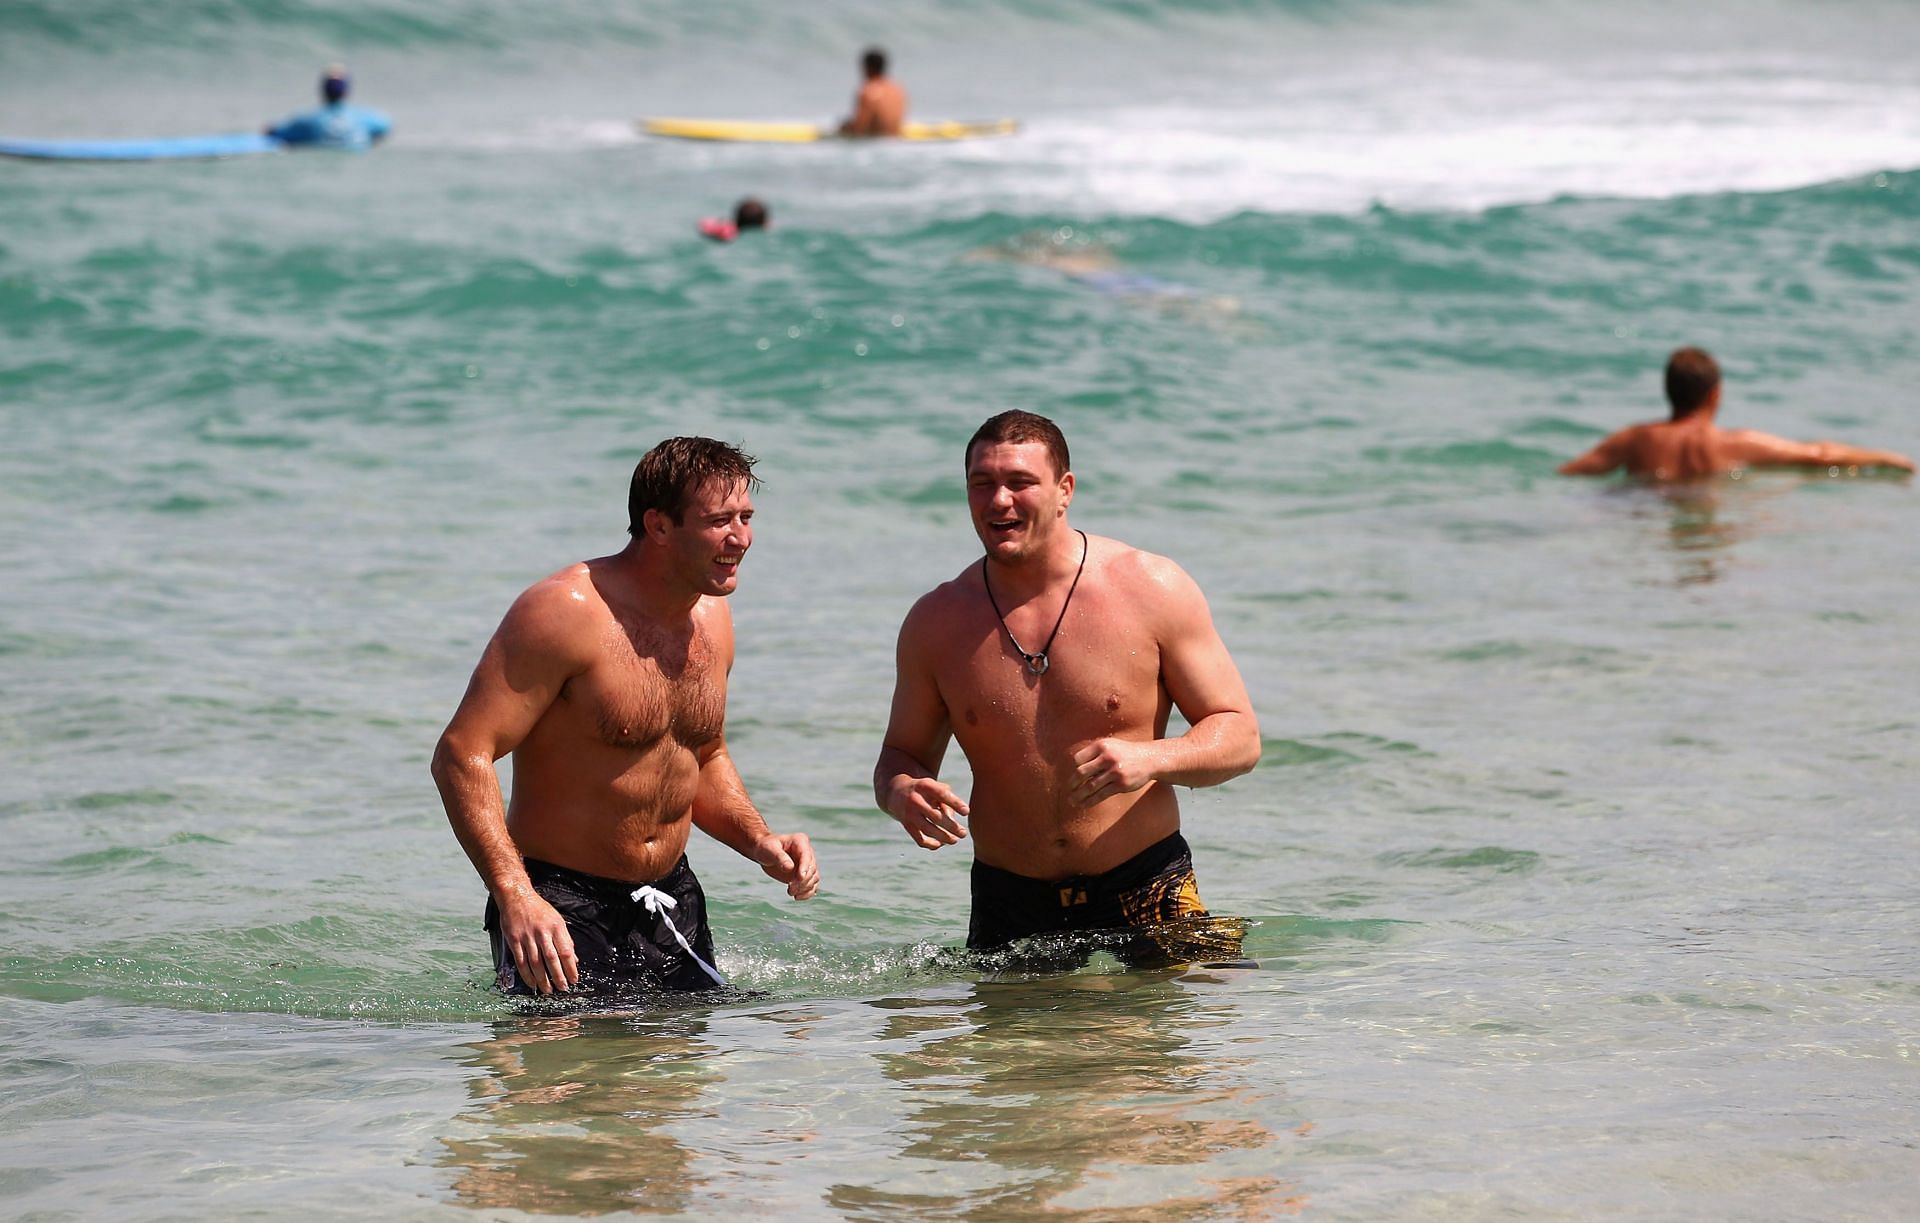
x=1152, y=899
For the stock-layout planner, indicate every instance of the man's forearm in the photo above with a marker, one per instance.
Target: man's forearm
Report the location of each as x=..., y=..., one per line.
x=894, y=769
x=1857, y=456
x=470, y=792
x=737, y=826
x=1217, y=748
x=722, y=810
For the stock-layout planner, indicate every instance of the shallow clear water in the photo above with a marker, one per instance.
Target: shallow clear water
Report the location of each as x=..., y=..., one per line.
x=1582, y=851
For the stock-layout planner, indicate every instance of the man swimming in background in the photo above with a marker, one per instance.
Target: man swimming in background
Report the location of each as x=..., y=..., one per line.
x=607, y=682
x=1094, y=265
x=1689, y=446
x=334, y=125
x=881, y=105
x=1055, y=662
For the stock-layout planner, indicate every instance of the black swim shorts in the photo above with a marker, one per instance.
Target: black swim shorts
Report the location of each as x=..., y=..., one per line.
x=623, y=944
x=1152, y=897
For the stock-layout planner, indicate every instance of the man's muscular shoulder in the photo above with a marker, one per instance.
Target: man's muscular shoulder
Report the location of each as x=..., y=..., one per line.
x=935, y=614
x=1632, y=438
x=949, y=596
x=560, y=617
x=1152, y=582
x=715, y=618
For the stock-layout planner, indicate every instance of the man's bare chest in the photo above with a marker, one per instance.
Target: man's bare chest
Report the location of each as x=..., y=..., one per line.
x=644, y=689
x=1093, y=686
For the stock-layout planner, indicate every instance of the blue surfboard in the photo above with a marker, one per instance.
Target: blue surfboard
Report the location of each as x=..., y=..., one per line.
x=235, y=144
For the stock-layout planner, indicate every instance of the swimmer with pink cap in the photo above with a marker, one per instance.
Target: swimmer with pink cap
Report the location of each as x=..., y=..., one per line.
x=749, y=213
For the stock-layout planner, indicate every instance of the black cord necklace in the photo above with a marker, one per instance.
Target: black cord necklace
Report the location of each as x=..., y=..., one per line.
x=1037, y=662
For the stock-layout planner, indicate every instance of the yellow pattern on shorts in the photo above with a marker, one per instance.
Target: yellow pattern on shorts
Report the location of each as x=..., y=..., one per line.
x=1170, y=912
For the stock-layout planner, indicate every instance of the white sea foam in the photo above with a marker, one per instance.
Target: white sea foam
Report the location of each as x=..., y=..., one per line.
x=1455, y=135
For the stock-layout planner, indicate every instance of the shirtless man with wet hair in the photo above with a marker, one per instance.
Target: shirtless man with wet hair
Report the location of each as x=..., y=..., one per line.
x=1689, y=446
x=1055, y=661
x=881, y=105
x=607, y=682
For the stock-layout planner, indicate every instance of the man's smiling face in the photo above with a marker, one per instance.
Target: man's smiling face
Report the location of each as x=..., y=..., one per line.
x=1016, y=498
x=713, y=536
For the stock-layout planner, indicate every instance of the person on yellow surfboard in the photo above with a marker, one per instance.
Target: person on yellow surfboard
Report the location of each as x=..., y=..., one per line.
x=881, y=105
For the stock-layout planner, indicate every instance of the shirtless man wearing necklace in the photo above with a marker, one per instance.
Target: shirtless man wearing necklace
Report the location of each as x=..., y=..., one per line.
x=1055, y=661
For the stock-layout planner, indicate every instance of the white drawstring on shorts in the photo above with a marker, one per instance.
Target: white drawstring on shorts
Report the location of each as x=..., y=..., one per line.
x=658, y=903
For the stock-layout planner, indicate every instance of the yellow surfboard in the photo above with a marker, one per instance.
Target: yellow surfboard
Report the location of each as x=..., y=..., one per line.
x=804, y=133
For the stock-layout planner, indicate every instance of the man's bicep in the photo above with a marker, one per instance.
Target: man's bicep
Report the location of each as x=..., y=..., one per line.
x=1753, y=446
x=493, y=716
x=719, y=778
x=519, y=676
x=918, y=723
x=1199, y=673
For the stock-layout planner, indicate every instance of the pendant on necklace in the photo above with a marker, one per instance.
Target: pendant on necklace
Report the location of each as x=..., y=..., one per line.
x=1036, y=664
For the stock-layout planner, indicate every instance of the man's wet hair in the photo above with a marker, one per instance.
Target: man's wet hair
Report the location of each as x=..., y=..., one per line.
x=750, y=213
x=874, y=62
x=667, y=477
x=1691, y=376
x=333, y=83
x=1017, y=426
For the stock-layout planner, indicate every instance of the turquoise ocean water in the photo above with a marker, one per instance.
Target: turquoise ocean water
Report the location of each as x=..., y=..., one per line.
x=1583, y=852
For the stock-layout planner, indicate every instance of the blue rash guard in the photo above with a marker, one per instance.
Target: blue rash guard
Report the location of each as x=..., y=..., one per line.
x=337, y=126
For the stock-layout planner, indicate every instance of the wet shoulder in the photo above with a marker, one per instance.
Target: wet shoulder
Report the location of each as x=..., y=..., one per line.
x=943, y=611
x=1150, y=587
x=714, y=618
x=561, y=613
x=947, y=600
x=1137, y=573
x=561, y=592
